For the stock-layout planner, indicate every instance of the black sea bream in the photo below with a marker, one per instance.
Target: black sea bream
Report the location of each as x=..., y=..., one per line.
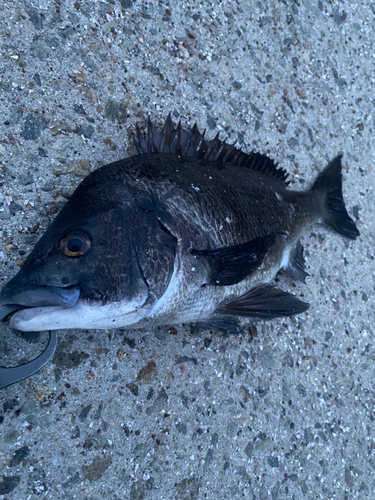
x=188, y=231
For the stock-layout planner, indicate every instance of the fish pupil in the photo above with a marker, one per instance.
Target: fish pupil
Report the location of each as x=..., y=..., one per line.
x=74, y=245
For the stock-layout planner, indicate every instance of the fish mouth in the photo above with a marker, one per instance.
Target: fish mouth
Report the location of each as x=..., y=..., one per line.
x=31, y=296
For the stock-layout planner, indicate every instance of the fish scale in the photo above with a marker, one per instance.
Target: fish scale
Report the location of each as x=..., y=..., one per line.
x=247, y=199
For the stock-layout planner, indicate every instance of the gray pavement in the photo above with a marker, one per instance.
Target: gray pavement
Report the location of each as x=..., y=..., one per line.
x=287, y=410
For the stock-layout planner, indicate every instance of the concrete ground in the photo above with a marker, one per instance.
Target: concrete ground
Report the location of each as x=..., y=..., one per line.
x=287, y=410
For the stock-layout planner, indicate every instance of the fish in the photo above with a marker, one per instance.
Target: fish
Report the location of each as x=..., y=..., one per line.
x=189, y=230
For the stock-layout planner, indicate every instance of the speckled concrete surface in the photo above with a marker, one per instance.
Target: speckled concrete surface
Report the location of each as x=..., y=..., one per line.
x=285, y=412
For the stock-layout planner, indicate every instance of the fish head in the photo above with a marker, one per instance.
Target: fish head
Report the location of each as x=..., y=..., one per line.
x=112, y=255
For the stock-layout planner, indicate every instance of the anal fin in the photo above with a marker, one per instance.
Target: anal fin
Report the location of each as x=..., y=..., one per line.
x=230, y=265
x=264, y=302
x=221, y=323
x=296, y=264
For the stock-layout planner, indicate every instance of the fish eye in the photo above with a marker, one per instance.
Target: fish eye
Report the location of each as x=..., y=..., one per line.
x=75, y=244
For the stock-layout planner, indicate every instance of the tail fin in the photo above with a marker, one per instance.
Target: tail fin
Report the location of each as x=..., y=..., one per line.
x=330, y=182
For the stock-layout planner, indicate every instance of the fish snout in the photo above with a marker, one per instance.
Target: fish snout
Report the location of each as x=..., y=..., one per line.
x=16, y=297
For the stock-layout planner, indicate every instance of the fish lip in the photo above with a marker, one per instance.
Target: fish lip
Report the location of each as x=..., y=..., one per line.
x=30, y=296
x=28, y=313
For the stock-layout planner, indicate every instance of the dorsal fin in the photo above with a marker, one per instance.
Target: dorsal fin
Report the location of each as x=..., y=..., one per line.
x=191, y=143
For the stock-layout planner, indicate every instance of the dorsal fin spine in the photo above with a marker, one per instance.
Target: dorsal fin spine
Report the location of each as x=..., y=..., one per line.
x=227, y=154
x=219, y=151
x=198, y=147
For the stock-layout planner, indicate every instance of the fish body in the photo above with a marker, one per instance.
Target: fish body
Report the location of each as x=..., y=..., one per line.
x=189, y=230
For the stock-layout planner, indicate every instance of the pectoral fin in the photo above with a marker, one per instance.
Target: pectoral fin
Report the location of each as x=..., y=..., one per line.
x=296, y=265
x=230, y=265
x=264, y=302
